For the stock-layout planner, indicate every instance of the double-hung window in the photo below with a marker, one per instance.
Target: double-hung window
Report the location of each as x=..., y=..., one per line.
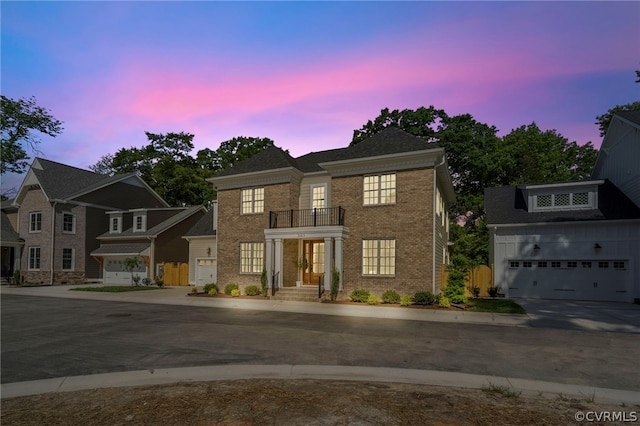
x=34, y=258
x=67, y=259
x=68, y=223
x=35, y=222
x=379, y=257
x=379, y=189
x=252, y=200
x=251, y=258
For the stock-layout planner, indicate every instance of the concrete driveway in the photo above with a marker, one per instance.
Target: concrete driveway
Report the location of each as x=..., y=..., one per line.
x=582, y=315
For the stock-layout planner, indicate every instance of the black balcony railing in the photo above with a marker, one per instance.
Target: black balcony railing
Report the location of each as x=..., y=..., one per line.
x=333, y=216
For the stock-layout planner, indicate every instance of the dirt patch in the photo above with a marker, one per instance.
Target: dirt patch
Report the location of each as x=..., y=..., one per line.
x=295, y=402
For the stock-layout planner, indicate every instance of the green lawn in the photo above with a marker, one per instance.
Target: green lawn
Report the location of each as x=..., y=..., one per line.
x=500, y=306
x=114, y=288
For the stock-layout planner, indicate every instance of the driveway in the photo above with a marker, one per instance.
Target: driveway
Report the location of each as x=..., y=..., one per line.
x=582, y=315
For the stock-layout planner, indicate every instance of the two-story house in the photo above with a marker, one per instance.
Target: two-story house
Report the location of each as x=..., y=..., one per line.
x=375, y=212
x=573, y=240
x=58, y=213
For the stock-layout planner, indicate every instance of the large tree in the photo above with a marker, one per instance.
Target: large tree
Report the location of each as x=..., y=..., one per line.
x=422, y=122
x=20, y=123
x=603, y=120
x=167, y=166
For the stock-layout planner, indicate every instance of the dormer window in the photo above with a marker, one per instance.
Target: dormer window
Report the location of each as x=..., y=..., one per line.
x=115, y=224
x=570, y=200
x=139, y=223
x=562, y=196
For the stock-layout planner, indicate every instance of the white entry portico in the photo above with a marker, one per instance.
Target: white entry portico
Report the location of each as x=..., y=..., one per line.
x=276, y=259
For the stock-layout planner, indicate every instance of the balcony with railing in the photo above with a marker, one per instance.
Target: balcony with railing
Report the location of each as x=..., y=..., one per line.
x=332, y=216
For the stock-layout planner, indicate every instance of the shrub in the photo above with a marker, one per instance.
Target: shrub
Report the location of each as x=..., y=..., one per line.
x=474, y=290
x=405, y=300
x=493, y=291
x=235, y=292
x=212, y=291
x=208, y=287
x=444, y=302
x=359, y=295
x=335, y=284
x=390, y=296
x=146, y=281
x=252, y=290
x=373, y=299
x=159, y=281
x=230, y=287
x=455, y=287
x=424, y=298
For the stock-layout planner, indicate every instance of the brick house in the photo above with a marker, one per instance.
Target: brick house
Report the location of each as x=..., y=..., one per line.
x=58, y=213
x=375, y=212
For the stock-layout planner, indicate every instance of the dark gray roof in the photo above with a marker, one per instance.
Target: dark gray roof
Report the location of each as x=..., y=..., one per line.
x=9, y=234
x=390, y=140
x=204, y=227
x=633, y=116
x=122, y=249
x=507, y=205
x=181, y=214
x=59, y=181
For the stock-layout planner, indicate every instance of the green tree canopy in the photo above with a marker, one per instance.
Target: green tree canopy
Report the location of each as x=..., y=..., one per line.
x=167, y=166
x=20, y=123
x=604, y=120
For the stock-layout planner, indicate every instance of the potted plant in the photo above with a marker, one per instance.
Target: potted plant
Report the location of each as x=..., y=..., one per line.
x=301, y=264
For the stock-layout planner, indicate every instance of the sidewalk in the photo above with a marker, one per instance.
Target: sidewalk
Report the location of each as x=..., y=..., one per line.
x=178, y=296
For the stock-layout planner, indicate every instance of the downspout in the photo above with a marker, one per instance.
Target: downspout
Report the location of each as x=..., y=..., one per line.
x=52, y=256
x=433, y=224
x=152, y=256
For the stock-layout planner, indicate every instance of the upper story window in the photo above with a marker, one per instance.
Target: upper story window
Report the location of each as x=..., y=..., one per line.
x=116, y=224
x=35, y=222
x=68, y=223
x=139, y=223
x=380, y=189
x=318, y=197
x=252, y=200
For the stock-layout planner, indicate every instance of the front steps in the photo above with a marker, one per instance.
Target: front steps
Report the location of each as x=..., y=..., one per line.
x=298, y=294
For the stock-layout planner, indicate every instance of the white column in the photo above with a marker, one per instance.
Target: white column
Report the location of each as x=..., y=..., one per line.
x=338, y=257
x=278, y=260
x=268, y=261
x=327, y=263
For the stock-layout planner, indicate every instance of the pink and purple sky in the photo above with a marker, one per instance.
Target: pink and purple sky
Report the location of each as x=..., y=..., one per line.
x=306, y=74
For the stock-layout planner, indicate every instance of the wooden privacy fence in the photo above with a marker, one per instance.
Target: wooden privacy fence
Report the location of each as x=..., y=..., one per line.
x=174, y=273
x=480, y=276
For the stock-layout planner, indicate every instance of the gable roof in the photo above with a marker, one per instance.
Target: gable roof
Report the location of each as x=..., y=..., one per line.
x=204, y=227
x=59, y=181
x=507, y=205
x=390, y=140
x=8, y=234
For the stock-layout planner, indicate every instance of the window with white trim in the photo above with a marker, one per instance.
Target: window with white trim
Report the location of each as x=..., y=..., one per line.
x=68, y=223
x=251, y=258
x=379, y=257
x=67, y=259
x=115, y=224
x=34, y=258
x=379, y=189
x=139, y=223
x=252, y=200
x=35, y=221
x=318, y=197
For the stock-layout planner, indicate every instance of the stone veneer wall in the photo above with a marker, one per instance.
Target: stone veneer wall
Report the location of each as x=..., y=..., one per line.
x=409, y=221
x=235, y=228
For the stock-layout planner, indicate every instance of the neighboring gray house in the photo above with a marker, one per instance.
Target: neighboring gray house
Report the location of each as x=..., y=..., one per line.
x=58, y=212
x=10, y=242
x=203, y=263
x=573, y=240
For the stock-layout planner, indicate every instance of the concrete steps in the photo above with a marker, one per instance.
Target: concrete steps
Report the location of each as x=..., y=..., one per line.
x=298, y=294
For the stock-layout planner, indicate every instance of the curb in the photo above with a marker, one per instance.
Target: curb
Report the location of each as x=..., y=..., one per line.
x=319, y=372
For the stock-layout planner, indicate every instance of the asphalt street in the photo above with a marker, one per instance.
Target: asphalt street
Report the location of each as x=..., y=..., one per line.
x=46, y=337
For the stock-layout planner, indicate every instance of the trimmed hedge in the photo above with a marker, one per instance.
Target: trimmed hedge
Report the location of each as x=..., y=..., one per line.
x=360, y=295
x=230, y=287
x=390, y=296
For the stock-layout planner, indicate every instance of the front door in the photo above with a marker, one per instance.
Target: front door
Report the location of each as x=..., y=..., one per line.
x=314, y=254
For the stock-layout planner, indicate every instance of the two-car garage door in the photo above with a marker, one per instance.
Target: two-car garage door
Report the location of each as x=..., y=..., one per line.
x=569, y=279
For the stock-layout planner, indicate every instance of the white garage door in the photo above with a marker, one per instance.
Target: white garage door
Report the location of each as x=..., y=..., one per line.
x=116, y=274
x=605, y=280
x=206, y=271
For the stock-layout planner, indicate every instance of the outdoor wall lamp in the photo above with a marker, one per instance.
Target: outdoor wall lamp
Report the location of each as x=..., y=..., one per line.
x=597, y=246
x=208, y=251
x=536, y=247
